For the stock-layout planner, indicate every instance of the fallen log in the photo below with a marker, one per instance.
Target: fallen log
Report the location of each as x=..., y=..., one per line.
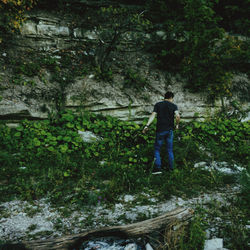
x=176, y=217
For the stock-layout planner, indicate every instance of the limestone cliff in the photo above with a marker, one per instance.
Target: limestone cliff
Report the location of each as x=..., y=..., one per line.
x=33, y=96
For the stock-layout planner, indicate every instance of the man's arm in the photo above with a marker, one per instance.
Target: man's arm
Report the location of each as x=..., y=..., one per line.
x=150, y=120
x=177, y=118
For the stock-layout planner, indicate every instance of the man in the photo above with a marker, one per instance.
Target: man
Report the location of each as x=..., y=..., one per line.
x=166, y=112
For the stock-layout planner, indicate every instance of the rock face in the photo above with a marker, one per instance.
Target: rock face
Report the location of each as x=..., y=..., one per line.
x=48, y=32
x=27, y=102
x=127, y=104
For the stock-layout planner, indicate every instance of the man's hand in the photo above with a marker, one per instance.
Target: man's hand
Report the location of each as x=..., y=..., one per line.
x=145, y=129
x=150, y=120
x=177, y=119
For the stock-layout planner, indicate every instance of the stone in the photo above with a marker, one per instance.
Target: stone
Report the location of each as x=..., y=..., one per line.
x=91, y=35
x=28, y=28
x=213, y=244
x=201, y=164
x=12, y=125
x=88, y=136
x=52, y=30
x=128, y=198
x=247, y=118
x=222, y=167
x=16, y=110
x=77, y=33
x=161, y=34
x=148, y=247
x=131, y=246
x=225, y=168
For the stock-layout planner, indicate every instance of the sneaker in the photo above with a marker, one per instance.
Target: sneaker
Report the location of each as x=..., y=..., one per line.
x=157, y=171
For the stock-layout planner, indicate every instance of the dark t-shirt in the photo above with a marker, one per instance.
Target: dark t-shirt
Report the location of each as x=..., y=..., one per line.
x=165, y=115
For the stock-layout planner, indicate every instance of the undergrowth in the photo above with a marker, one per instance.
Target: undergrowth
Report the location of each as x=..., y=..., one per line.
x=49, y=159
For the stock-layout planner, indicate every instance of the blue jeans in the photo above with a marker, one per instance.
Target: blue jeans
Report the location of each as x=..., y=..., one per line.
x=166, y=136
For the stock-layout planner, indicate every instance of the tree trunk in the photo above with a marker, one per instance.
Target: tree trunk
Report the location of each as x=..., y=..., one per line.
x=177, y=217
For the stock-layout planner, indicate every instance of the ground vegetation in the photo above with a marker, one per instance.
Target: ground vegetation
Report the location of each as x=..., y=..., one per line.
x=49, y=159
x=205, y=41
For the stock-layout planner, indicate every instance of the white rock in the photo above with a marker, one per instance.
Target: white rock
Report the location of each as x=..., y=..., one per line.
x=77, y=33
x=213, y=244
x=28, y=28
x=221, y=167
x=18, y=223
x=91, y=35
x=240, y=169
x=131, y=246
x=52, y=30
x=88, y=136
x=200, y=164
x=247, y=118
x=148, y=247
x=128, y=198
x=153, y=200
x=161, y=33
x=12, y=125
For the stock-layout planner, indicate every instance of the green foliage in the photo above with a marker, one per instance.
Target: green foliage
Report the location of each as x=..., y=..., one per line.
x=234, y=220
x=119, y=29
x=196, y=235
x=28, y=69
x=196, y=46
x=213, y=68
x=12, y=14
x=134, y=79
x=63, y=67
x=245, y=181
x=234, y=15
x=50, y=158
x=194, y=42
x=105, y=75
x=239, y=218
x=215, y=133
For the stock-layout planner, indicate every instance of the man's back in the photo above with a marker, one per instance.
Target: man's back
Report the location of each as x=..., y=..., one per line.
x=165, y=115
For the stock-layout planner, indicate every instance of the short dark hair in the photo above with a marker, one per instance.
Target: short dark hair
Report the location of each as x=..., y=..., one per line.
x=169, y=95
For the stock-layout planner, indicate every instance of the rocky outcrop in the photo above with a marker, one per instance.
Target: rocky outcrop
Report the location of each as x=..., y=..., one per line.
x=46, y=32
x=127, y=104
x=86, y=93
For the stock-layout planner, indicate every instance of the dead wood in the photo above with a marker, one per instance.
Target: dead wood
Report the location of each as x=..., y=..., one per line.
x=178, y=216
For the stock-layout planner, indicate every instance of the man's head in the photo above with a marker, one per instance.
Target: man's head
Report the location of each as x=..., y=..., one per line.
x=169, y=95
